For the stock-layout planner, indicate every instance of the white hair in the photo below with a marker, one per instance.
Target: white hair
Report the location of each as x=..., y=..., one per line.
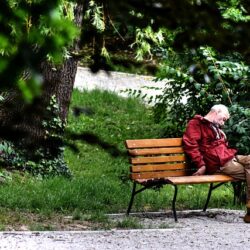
x=220, y=108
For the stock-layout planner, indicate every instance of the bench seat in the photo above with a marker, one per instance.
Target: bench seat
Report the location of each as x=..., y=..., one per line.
x=190, y=179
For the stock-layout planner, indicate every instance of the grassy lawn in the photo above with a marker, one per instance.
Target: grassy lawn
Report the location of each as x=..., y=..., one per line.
x=100, y=182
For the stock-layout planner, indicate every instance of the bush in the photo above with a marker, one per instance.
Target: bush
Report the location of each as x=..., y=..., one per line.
x=238, y=128
x=43, y=160
x=202, y=80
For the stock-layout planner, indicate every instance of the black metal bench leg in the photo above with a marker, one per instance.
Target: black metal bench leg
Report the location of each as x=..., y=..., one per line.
x=132, y=198
x=173, y=203
x=208, y=197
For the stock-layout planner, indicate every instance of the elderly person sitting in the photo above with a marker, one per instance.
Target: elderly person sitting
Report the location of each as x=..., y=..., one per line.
x=207, y=147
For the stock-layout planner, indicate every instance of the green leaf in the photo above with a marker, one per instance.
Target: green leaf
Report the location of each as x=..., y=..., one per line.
x=197, y=86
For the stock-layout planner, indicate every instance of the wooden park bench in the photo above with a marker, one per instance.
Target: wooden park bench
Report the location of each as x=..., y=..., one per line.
x=156, y=162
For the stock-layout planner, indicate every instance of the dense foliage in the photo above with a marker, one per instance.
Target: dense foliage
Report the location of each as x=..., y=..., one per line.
x=197, y=81
x=40, y=161
x=238, y=128
x=31, y=32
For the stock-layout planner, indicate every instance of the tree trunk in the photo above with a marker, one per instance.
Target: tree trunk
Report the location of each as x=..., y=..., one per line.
x=59, y=82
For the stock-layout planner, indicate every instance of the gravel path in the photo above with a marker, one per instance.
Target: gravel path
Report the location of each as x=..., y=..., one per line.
x=118, y=82
x=215, y=229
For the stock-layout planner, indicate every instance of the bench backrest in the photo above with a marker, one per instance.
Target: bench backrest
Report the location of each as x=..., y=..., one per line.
x=157, y=158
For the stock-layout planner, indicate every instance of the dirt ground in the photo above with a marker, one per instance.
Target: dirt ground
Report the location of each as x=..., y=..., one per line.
x=215, y=229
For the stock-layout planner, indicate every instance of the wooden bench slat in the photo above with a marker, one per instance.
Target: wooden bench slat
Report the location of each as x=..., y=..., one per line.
x=160, y=174
x=171, y=158
x=150, y=143
x=193, y=179
x=157, y=167
x=200, y=179
x=155, y=151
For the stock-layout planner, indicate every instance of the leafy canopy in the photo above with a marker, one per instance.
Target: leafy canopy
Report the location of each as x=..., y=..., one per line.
x=31, y=31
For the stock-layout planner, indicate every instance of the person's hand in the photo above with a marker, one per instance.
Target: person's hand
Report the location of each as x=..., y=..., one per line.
x=200, y=171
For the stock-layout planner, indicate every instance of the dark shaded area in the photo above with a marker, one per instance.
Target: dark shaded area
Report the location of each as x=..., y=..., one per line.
x=77, y=111
x=91, y=139
x=200, y=23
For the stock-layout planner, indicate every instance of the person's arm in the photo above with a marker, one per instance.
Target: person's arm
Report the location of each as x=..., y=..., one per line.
x=200, y=171
x=191, y=139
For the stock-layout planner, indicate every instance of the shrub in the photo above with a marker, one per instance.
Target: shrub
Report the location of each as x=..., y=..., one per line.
x=203, y=79
x=46, y=160
x=238, y=128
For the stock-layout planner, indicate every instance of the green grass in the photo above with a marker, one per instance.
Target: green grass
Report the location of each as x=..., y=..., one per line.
x=129, y=222
x=100, y=181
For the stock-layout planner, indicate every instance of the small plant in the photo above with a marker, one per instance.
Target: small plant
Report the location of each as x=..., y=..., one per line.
x=77, y=215
x=129, y=222
x=5, y=175
x=96, y=217
x=10, y=157
x=41, y=227
x=45, y=160
x=165, y=225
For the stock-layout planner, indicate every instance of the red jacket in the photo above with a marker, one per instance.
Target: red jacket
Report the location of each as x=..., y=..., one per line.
x=206, y=145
